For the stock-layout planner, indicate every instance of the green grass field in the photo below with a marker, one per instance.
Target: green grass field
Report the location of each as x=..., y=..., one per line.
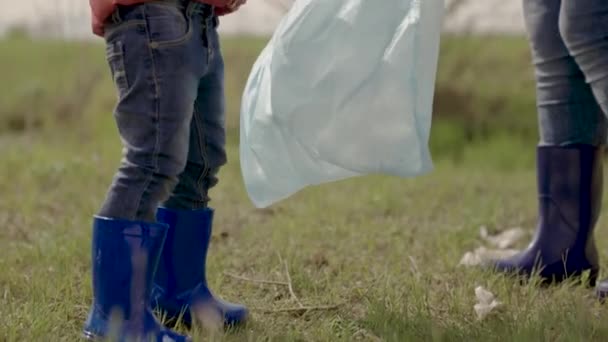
x=382, y=252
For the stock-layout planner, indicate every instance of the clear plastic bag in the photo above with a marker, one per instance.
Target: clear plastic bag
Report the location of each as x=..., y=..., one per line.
x=344, y=88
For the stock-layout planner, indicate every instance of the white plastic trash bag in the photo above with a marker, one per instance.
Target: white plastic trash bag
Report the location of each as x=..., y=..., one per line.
x=344, y=88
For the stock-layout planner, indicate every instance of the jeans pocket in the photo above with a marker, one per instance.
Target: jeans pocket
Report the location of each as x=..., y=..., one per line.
x=168, y=25
x=116, y=60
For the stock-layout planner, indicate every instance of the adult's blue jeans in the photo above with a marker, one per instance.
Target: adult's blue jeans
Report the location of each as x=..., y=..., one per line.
x=169, y=74
x=569, y=40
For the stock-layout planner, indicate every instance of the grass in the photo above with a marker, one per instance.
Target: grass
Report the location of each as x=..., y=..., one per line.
x=385, y=249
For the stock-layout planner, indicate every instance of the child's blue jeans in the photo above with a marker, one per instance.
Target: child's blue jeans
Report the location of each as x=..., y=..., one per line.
x=169, y=73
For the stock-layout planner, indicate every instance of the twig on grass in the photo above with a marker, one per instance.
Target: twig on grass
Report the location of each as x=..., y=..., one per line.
x=302, y=309
x=290, y=283
x=257, y=281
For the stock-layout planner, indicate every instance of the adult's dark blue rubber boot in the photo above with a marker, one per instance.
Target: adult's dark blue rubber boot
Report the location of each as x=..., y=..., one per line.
x=125, y=255
x=181, y=289
x=570, y=196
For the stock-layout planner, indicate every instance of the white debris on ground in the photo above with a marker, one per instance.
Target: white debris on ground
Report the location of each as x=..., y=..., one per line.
x=483, y=254
x=506, y=239
x=501, y=246
x=486, y=303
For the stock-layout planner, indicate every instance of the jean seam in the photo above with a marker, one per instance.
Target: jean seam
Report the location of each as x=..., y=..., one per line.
x=202, y=145
x=157, y=124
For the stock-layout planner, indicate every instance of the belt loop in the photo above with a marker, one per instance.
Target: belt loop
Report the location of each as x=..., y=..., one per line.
x=190, y=8
x=116, y=19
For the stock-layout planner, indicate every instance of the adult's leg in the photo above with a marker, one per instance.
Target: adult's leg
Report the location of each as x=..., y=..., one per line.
x=569, y=165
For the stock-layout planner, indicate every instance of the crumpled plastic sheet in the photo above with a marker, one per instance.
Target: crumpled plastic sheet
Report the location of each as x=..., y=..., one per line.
x=486, y=303
x=501, y=244
x=505, y=239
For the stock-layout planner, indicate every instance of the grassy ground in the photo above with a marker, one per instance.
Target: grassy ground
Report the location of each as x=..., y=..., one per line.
x=385, y=250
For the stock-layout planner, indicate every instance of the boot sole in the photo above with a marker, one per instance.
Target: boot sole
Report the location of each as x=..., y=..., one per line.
x=546, y=281
x=89, y=336
x=575, y=278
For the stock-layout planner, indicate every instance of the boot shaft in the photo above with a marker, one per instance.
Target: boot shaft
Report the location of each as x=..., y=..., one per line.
x=124, y=255
x=570, y=194
x=570, y=184
x=181, y=290
x=187, y=243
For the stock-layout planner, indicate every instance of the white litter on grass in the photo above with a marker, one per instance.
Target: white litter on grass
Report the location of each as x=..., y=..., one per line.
x=505, y=239
x=483, y=254
x=501, y=244
x=486, y=302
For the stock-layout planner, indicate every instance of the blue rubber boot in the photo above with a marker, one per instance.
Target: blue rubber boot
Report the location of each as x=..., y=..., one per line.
x=125, y=255
x=181, y=290
x=570, y=196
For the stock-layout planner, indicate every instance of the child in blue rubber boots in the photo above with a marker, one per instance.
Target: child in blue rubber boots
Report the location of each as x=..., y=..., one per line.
x=150, y=237
x=570, y=52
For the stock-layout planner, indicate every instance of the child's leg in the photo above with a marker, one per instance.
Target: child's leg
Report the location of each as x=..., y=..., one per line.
x=157, y=60
x=181, y=288
x=207, y=152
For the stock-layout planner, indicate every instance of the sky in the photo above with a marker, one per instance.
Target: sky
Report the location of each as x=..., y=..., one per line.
x=70, y=18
